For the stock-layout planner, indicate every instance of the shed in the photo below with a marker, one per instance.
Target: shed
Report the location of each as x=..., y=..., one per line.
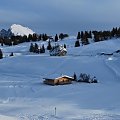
x=61, y=80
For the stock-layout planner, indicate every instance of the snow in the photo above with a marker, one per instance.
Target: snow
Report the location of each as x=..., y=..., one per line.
x=7, y=118
x=23, y=96
x=20, y=30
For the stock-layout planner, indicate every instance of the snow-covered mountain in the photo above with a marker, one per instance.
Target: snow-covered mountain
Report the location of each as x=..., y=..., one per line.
x=20, y=30
x=16, y=29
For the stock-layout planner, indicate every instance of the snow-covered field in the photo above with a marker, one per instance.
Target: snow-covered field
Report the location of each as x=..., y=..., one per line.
x=23, y=96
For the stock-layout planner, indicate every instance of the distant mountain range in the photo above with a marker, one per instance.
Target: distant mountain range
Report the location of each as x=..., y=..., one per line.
x=16, y=29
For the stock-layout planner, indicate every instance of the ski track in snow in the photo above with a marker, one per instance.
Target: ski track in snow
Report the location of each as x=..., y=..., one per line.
x=83, y=116
x=113, y=70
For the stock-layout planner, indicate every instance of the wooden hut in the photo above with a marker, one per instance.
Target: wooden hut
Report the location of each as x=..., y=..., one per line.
x=62, y=80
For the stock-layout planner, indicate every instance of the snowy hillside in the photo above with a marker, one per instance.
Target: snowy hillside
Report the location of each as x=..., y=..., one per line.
x=20, y=30
x=23, y=96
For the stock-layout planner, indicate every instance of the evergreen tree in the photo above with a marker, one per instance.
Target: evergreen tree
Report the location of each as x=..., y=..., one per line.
x=56, y=38
x=75, y=76
x=90, y=34
x=2, y=44
x=96, y=38
x=49, y=47
x=34, y=37
x=77, y=43
x=15, y=42
x=24, y=39
x=1, y=54
x=1, y=41
x=36, y=48
x=30, y=37
x=44, y=37
x=43, y=49
x=11, y=54
x=78, y=36
x=31, y=48
x=40, y=37
x=82, y=34
x=61, y=36
x=85, y=40
x=64, y=45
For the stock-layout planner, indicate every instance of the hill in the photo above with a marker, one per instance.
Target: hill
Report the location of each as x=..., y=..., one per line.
x=24, y=96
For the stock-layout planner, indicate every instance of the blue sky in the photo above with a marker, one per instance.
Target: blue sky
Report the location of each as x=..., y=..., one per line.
x=55, y=16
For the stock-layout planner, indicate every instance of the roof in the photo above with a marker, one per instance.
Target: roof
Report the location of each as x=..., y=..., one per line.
x=57, y=76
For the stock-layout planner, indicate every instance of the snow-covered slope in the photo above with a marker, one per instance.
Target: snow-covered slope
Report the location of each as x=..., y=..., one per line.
x=20, y=30
x=24, y=96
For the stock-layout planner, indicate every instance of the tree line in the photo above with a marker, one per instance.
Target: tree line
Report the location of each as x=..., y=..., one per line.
x=82, y=38
x=97, y=36
x=35, y=48
x=15, y=40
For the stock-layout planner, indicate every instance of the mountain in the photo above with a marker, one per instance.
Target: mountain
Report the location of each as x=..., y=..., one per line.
x=16, y=29
x=5, y=33
x=20, y=30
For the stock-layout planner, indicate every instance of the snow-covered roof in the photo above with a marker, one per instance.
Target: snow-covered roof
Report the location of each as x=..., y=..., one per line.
x=58, y=50
x=57, y=76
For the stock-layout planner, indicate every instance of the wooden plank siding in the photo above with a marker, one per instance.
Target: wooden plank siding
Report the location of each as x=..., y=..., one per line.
x=58, y=81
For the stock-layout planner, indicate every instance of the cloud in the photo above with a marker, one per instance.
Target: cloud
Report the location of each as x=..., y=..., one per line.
x=58, y=15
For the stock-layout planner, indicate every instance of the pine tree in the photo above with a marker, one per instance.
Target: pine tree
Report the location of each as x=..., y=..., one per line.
x=56, y=38
x=78, y=36
x=61, y=36
x=23, y=39
x=1, y=54
x=31, y=48
x=40, y=37
x=82, y=34
x=75, y=76
x=15, y=42
x=44, y=37
x=11, y=54
x=30, y=37
x=36, y=48
x=43, y=49
x=77, y=43
x=1, y=43
x=49, y=47
x=34, y=37
x=90, y=34
x=64, y=45
x=85, y=40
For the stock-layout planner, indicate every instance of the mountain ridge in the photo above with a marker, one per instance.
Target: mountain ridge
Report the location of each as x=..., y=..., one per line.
x=16, y=30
